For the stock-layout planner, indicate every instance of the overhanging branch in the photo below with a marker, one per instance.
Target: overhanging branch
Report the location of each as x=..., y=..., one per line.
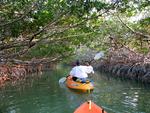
x=147, y=37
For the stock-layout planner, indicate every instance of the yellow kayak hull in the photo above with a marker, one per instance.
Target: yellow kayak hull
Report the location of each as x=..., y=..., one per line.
x=83, y=87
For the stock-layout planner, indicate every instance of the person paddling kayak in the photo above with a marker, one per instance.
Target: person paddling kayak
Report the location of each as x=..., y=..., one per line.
x=80, y=72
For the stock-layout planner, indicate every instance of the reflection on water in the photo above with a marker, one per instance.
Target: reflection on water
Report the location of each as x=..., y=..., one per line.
x=122, y=96
x=45, y=95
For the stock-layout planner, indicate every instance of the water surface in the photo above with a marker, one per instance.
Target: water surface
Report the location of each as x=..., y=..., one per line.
x=44, y=94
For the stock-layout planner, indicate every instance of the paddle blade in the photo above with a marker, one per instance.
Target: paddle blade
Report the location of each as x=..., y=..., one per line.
x=99, y=55
x=62, y=80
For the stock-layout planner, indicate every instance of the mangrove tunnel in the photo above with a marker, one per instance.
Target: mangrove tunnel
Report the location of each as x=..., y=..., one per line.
x=37, y=36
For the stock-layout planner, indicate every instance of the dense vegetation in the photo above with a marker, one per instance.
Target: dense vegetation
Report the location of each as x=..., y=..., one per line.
x=55, y=29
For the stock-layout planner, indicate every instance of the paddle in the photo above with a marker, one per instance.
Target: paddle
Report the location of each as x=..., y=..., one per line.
x=62, y=80
x=96, y=57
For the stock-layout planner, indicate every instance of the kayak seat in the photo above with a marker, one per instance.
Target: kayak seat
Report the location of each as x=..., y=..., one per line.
x=80, y=81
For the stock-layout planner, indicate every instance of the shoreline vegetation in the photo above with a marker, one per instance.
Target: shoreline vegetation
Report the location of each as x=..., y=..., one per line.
x=123, y=63
x=127, y=64
x=20, y=71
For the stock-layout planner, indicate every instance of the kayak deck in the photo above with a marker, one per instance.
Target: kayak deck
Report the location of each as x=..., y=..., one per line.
x=89, y=107
x=84, y=87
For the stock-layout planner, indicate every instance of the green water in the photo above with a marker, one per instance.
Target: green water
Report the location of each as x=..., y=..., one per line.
x=44, y=94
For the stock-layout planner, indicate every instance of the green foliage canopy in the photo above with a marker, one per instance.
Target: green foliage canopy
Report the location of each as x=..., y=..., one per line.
x=50, y=28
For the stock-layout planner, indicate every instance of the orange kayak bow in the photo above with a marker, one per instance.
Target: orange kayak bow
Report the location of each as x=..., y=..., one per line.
x=89, y=107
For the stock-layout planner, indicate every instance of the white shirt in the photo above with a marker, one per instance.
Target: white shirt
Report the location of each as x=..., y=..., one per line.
x=81, y=71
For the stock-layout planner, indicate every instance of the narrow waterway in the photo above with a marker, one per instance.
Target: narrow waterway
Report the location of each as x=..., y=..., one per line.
x=43, y=94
